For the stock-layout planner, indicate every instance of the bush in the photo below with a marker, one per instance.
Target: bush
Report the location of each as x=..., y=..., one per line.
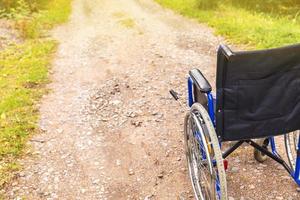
x=33, y=5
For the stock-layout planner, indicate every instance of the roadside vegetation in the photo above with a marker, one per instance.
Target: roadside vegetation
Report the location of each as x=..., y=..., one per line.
x=23, y=74
x=256, y=23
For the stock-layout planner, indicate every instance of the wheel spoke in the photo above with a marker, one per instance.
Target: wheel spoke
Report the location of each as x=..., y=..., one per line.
x=204, y=157
x=200, y=166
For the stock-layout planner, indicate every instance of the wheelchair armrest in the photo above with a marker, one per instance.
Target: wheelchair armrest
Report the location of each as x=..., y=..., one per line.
x=200, y=81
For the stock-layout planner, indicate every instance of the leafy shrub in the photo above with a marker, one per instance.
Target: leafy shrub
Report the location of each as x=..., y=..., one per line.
x=20, y=10
x=9, y=6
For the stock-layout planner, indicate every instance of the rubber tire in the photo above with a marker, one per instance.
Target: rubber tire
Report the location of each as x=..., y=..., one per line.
x=215, y=145
x=259, y=156
x=291, y=158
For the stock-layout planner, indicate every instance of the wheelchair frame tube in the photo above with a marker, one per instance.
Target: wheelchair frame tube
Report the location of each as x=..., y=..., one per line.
x=190, y=92
x=296, y=174
x=273, y=146
x=211, y=110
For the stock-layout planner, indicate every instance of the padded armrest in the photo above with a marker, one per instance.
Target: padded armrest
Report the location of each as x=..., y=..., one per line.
x=200, y=81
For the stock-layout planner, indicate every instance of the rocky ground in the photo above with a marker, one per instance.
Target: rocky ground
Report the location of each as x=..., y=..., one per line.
x=109, y=128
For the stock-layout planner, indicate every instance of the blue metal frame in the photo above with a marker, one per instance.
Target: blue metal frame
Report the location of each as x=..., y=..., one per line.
x=190, y=92
x=273, y=146
x=211, y=111
x=296, y=174
x=211, y=107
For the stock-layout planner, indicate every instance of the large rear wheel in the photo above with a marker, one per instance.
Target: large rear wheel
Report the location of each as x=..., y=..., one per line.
x=204, y=157
x=291, y=146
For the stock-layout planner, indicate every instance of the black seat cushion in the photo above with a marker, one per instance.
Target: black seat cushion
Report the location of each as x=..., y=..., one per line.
x=258, y=92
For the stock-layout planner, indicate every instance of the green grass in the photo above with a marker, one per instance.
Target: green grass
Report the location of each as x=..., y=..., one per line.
x=244, y=25
x=23, y=75
x=128, y=23
x=35, y=25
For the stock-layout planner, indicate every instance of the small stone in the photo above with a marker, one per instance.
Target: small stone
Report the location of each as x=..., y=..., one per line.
x=60, y=131
x=44, y=129
x=280, y=167
x=22, y=174
x=251, y=187
x=148, y=197
x=131, y=172
x=167, y=153
x=155, y=113
x=115, y=102
x=234, y=169
x=181, y=197
x=263, y=165
x=118, y=162
x=96, y=181
x=136, y=123
x=14, y=184
x=279, y=198
x=230, y=198
x=160, y=175
x=132, y=115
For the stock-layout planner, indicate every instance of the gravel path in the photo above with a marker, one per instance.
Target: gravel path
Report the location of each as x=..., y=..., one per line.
x=109, y=129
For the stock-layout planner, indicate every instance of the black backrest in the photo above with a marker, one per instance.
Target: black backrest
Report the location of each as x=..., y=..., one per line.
x=258, y=92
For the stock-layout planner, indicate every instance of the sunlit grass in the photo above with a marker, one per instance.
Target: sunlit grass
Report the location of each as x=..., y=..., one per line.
x=23, y=75
x=128, y=22
x=242, y=26
x=35, y=25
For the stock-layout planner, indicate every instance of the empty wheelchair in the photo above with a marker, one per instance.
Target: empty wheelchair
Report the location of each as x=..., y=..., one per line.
x=257, y=97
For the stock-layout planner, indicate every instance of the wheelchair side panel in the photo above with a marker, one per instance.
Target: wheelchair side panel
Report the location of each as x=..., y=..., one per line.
x=209, y=100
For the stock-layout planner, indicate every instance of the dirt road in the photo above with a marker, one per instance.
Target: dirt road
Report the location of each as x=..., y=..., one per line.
x=109, y=129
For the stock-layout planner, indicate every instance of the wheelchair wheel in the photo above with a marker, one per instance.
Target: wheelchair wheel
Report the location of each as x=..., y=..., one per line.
x=204, y=156
x=258, y=155
x=291, y=147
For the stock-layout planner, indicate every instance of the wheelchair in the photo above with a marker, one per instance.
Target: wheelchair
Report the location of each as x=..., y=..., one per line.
x=257, y=98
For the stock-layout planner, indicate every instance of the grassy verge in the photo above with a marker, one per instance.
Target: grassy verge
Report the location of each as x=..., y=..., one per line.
x=23, y=75
x=244, y=25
